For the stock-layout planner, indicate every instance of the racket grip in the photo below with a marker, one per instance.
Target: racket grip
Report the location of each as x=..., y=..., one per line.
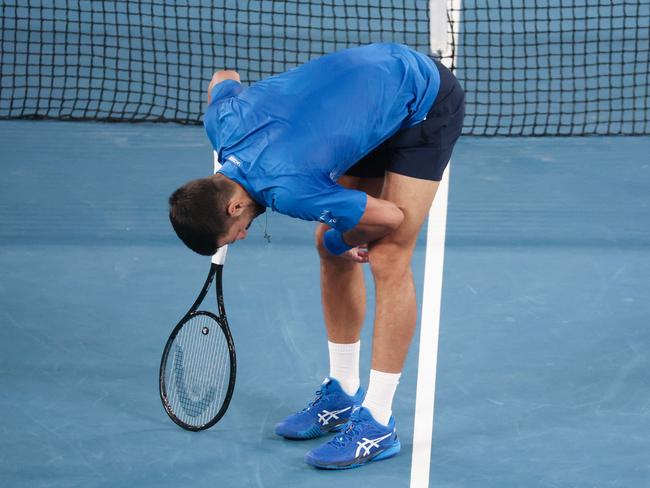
x=220, y=256
x=217, y=164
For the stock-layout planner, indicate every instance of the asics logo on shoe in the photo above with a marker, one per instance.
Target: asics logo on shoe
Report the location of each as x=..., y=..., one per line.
x=368, y=443
x=325, y=416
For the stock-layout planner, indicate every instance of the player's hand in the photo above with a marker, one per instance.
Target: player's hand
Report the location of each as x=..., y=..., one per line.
x=220, y=76
x=357, y=254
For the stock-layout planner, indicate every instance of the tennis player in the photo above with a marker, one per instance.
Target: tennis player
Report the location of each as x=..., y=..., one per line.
x=356, y=140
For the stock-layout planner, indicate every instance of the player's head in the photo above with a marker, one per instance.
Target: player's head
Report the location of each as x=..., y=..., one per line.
x=211, y=212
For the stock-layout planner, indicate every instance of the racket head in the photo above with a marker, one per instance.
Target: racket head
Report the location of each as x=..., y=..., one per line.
x=197, y=371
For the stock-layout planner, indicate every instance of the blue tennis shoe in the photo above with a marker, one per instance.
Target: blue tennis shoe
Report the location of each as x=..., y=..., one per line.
x=328, y=412
x=363, y=440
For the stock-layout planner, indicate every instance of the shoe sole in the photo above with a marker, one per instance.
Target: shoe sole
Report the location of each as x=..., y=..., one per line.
x=388, y=453
x=312, y=433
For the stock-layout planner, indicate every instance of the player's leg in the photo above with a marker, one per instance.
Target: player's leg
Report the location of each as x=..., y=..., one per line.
x=390, y=261
x=371, y=434
x=344, y=307
x=342, y=285
x=343, y=295
x=395, y=297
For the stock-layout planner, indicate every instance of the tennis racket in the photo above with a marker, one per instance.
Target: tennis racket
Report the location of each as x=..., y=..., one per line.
x=198, y=365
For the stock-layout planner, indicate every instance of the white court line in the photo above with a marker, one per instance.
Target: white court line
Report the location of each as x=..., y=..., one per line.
x=428, y=350
x=432, y=290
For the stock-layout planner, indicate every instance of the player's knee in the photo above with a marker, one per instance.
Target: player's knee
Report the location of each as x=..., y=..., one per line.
x=318, y=240
x=389, y=260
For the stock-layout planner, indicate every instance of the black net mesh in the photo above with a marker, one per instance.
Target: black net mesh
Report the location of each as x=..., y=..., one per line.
x=535, y=67
x=551, y=67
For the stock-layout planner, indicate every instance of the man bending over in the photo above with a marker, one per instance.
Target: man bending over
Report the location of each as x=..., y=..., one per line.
x=357, y=140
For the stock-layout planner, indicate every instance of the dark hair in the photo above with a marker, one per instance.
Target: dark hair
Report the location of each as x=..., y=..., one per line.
x=197, y=211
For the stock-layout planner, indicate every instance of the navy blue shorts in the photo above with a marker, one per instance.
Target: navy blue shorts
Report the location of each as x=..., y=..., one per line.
x=423, y=150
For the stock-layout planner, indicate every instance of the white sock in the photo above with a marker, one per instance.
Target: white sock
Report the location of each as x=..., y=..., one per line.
x=379, y=398
x=344, y=365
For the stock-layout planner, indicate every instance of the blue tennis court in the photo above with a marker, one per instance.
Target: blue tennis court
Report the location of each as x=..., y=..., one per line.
x=542, y=364
x=542, y=357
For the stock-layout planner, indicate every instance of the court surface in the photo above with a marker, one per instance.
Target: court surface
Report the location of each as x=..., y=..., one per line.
x=543, y=365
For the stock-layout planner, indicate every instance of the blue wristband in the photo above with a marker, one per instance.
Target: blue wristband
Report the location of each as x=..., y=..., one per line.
x=334, y=243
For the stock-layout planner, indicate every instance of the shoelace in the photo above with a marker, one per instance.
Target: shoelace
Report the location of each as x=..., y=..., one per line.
x=319, y=396
x=352, y=430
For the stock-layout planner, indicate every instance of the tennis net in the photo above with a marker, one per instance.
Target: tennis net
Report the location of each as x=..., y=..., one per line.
x=532, y=67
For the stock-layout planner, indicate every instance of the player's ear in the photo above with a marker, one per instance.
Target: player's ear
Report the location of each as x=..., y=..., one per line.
x=235, y=207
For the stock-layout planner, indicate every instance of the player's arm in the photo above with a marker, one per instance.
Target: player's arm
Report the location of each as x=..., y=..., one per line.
x=355, y=217
x=379, y=219
x=220, y=76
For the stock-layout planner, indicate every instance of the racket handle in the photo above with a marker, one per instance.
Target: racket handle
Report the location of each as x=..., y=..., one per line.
x=220, y=256
x=217, y=164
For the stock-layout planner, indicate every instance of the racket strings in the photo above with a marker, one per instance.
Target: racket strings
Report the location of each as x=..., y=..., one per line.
x=198, y=371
